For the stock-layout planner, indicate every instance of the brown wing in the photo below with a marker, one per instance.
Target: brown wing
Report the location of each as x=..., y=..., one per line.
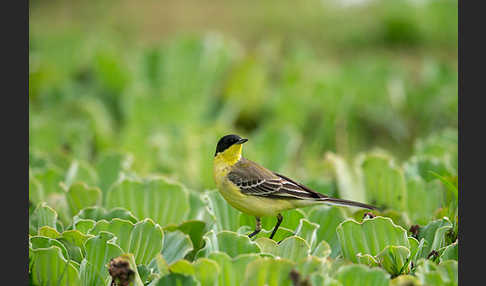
x=253, y=179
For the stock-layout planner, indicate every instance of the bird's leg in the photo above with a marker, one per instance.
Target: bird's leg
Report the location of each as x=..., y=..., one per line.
x=257, y=228
x=279, y=221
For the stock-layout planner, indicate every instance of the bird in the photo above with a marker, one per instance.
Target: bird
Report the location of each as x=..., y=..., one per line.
x=259, y=192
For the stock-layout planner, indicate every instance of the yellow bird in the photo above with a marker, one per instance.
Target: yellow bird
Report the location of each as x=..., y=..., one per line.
x=257, y=191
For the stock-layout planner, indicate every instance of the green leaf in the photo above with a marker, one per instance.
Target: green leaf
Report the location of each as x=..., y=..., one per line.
x=268, y=271
x=423, y=199
x=74, y=241
x=307, y=230
x=79, y=196
x=225, y=216
x=176, y=246
x=84, y=225
x=322, y=250
x=49, y=267
x=99, y=251
x=232, y=270
x=122, y=229
x=80, y=172
x=206, y=271
x=99, y=213
x=50, y=178
x=359, y=275
x=450, y=252
x=434, y=235
x=154, y=198
x=369, y=237
x=144, y=239
x=175, y=279
x=348, y=183
x=195, y=229
x=405, y=280
x=229, y=242
x=445, y=273
x=43, y=215
x=328, y=218
x=46, y=242
x=36, y=191
x=49, y=232
x=109, y=167
x=395, y=259
x=293, y=248
x=384, y=183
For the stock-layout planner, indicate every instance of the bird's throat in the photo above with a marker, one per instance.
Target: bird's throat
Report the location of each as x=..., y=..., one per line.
x=229, y=157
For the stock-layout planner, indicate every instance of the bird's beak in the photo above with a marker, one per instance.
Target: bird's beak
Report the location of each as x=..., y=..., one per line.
x=242, y=140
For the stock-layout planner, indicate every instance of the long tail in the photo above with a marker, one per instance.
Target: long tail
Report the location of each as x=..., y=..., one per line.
x=341, y=202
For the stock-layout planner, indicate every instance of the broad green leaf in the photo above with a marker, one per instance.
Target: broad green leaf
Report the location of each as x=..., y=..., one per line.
x=74, y=241
x=423, y=199
x=348, y=183
x=50, y=178
x=195, y=229
x=232, y=270
x=58, y=202
x=37, y=242
x=225, y=216
x=229, y=242
x=450, y=252
x=307, y=230
x=268, y=271
x=49, y=232
x=84, y=225
x=310, y=265
x=434, y=234
x=43, y=215
x=369, y=237
x=367, y=259
x=109, y=166
x=322, y=250
x=405, y=280
x=430, y=273
x=175, y=279
x=328, y=218
x=384, y=183
x=49, y=267
x=154, y=198
x=360, y=275
x=206, y=271
x=176, y=246
x=79, y=196
x=427, y=166
x=395, y=259
x=99, y=251
x=80, y=172
x=122, y=229
x=36, y=191
x=144, y=239
x=182, y=266
x=134, y=277
x=293, y=248
x=99, y=213
x=197, y=207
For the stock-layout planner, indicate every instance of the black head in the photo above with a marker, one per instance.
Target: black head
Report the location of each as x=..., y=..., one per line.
x=227, y=141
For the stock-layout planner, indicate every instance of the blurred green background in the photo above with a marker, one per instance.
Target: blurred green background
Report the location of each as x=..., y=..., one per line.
x=164, y=80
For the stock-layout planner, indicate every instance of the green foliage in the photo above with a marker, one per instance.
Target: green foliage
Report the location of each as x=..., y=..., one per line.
x=122, y=136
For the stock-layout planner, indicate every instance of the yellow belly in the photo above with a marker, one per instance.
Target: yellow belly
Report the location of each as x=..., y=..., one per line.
x=252, y=205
